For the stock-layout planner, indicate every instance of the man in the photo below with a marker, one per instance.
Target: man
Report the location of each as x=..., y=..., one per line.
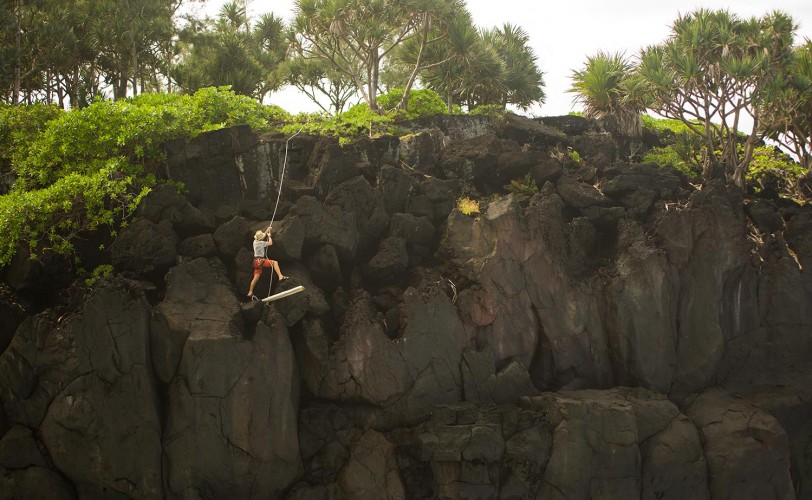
x=262, y=240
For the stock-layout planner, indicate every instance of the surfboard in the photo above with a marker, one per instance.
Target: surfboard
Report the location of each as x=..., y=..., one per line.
x=282, y=295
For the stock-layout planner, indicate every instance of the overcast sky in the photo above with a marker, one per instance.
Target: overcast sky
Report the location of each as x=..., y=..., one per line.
x=564, y=32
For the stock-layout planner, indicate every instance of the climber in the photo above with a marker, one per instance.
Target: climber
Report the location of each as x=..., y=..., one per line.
x=262, y=240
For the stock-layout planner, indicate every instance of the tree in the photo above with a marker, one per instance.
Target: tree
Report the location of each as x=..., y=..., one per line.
x=604, y=87
x=450, y=64
x=787, y=106
x=709, y=73
x=229, y=50
x=317, y=78
x=357, y=36
x=521, y=83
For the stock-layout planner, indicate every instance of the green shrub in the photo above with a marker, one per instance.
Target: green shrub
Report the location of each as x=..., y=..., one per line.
x=89, y=167
x=774, y=170
x=133, y=128
x=525, y=187
x=348, y=125
x=422, y=102
x=54, y=215
x=22, y=125
x=100, y=272
x=684, y=149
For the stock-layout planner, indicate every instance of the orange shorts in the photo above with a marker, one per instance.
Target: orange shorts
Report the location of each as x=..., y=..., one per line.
x=260, y=263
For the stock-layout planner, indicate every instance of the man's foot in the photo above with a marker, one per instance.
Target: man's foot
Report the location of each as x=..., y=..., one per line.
x=284, y=278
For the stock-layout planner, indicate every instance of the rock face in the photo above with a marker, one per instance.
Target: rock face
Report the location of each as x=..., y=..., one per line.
x=606, y=331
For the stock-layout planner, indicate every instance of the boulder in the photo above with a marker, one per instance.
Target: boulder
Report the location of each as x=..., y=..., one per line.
x=165, y=203
x=746, y=449
x=102, y=427
x=209, y=165
x=421, y=151
x=706, y=244
x=36, y=482
x=233, y=235
x=199, y=298
x=231, y=414
x=628, y=178
x=580, y=194
x=198, y=246
x=388, y=263
x=328, y=225
x=406, y=375
x=357, y=197
x=145, y=248
x=333, y=165
x=372, y=469
x=19, y=450
x=395, y=186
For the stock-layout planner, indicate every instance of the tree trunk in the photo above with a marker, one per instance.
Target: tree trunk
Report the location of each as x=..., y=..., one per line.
x=18, y=36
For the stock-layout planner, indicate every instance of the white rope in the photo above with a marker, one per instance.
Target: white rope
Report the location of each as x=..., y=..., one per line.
x=279, y=194
x=282, y=174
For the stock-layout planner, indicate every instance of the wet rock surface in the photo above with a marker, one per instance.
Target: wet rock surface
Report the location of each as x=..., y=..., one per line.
x=610, y=332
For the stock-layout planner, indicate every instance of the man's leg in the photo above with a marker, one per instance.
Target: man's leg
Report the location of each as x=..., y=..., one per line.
x=278, y=272
x=253, y=282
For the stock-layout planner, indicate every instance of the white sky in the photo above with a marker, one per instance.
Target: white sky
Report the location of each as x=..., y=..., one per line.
x=564, y=32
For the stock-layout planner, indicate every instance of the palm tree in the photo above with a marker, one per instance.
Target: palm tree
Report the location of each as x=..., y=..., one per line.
x=605, y=87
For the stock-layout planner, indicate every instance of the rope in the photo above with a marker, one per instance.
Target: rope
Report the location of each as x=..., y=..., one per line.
x=279, y=194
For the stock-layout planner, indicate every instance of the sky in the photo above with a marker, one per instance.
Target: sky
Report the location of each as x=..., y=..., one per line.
x=564, y=33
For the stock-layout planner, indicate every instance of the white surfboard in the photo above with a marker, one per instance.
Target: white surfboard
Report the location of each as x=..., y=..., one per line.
x=282, y=295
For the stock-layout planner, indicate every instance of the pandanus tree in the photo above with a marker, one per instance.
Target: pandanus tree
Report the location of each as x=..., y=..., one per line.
x=606, y=87
x=786, y=106
x=709, y=74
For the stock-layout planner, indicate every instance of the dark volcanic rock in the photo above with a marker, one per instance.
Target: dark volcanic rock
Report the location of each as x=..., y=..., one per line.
x=231, y=414
x=93, y=396
x=746, y=450
x=145, y=248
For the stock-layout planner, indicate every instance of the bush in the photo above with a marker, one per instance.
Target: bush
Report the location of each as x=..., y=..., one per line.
x=54, y=215
x=422, y=102
x=773, y=171
x=357, y=120
x=683, y=149
x=468, y=206
x=79, y=170
x=133, y=128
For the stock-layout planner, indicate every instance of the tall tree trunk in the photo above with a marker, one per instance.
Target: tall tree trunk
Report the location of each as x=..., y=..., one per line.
x=18, y=36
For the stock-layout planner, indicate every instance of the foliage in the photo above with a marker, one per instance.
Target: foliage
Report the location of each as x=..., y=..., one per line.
x=709, y=74
x=230, y=50
x=786, y=105
x=19, y=125
x=422, y=102
x=99, y=273
x=468, y=206
x=604, y=88
x=72, y=52
x=470, y=67
x=525, y=187
x=494, y=111
x=683, y=149
x=75, y=203
x=357, y=36
x=521, y=83
x=90, y=167
x=346, y=126
x=773, y=170
x=134, y=129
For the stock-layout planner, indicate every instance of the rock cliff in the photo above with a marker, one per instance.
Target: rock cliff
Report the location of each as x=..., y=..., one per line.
x=604, y=329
